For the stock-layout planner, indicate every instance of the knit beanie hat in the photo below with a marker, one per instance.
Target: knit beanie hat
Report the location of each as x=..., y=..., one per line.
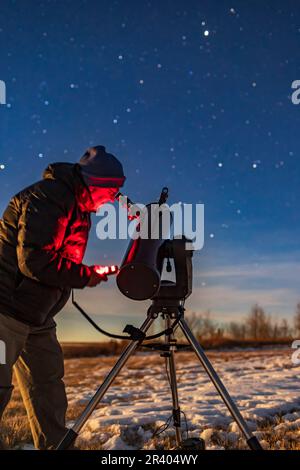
x=101, y=169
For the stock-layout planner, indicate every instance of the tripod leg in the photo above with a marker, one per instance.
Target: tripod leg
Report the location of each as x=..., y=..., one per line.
x=173, y=384
x=72, y=434
x=252, y=441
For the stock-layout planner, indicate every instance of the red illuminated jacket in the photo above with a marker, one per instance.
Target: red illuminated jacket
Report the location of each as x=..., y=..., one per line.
x=43, y=237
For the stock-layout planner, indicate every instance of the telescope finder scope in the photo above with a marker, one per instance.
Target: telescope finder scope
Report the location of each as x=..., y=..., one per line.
x=139, y=276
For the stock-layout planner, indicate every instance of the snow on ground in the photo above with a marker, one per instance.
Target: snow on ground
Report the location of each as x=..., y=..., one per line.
x=263, y=386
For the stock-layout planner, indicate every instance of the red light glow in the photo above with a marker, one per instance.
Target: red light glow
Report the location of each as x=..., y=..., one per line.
x=106, y=269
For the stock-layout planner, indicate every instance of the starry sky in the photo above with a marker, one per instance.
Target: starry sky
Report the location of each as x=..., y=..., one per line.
x=193, y=95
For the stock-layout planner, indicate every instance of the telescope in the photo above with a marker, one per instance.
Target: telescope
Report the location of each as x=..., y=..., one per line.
x=140, y=273
x=140, y=277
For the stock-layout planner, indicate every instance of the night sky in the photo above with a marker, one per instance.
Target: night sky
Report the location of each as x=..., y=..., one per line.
x=194, y=95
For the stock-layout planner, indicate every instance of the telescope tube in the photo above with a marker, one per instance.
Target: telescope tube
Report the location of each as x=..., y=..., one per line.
x=138, y=277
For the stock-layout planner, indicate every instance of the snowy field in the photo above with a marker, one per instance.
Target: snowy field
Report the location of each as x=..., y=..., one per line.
x=265, y=385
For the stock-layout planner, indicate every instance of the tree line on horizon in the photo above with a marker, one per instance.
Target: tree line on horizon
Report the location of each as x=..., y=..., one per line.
x=257, y=326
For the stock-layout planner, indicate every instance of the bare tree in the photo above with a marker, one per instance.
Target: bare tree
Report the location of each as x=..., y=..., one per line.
x=237, y=330
x=194, y=321
x=276, y=331
x=297, y=321
x=203, y=326
x=259, y=325
x=220, y=332
x=285, y=330
x=209, y=327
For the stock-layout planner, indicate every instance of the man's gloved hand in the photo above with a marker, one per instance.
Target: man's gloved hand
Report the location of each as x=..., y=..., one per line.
x=96, y=278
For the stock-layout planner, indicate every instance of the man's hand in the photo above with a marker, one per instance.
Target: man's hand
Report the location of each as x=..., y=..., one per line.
x=96, y=278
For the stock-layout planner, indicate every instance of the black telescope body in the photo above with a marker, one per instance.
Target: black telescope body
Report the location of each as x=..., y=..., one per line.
x=139, y=275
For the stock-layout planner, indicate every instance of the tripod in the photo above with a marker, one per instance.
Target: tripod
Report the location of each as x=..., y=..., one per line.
x=170, y=309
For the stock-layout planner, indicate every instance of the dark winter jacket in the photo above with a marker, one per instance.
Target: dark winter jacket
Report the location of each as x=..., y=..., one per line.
x=43, y=236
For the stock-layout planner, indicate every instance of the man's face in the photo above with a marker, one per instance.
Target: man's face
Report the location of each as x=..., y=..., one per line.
x=102, y=195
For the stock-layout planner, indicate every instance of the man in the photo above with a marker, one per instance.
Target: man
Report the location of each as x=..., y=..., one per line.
x=43, y=238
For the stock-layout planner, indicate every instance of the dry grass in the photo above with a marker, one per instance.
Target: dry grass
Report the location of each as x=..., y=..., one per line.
x=108, y=348
x=15, y=431
x=111, y=348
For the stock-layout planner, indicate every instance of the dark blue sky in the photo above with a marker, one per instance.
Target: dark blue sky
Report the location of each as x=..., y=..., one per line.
x=208, y=114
